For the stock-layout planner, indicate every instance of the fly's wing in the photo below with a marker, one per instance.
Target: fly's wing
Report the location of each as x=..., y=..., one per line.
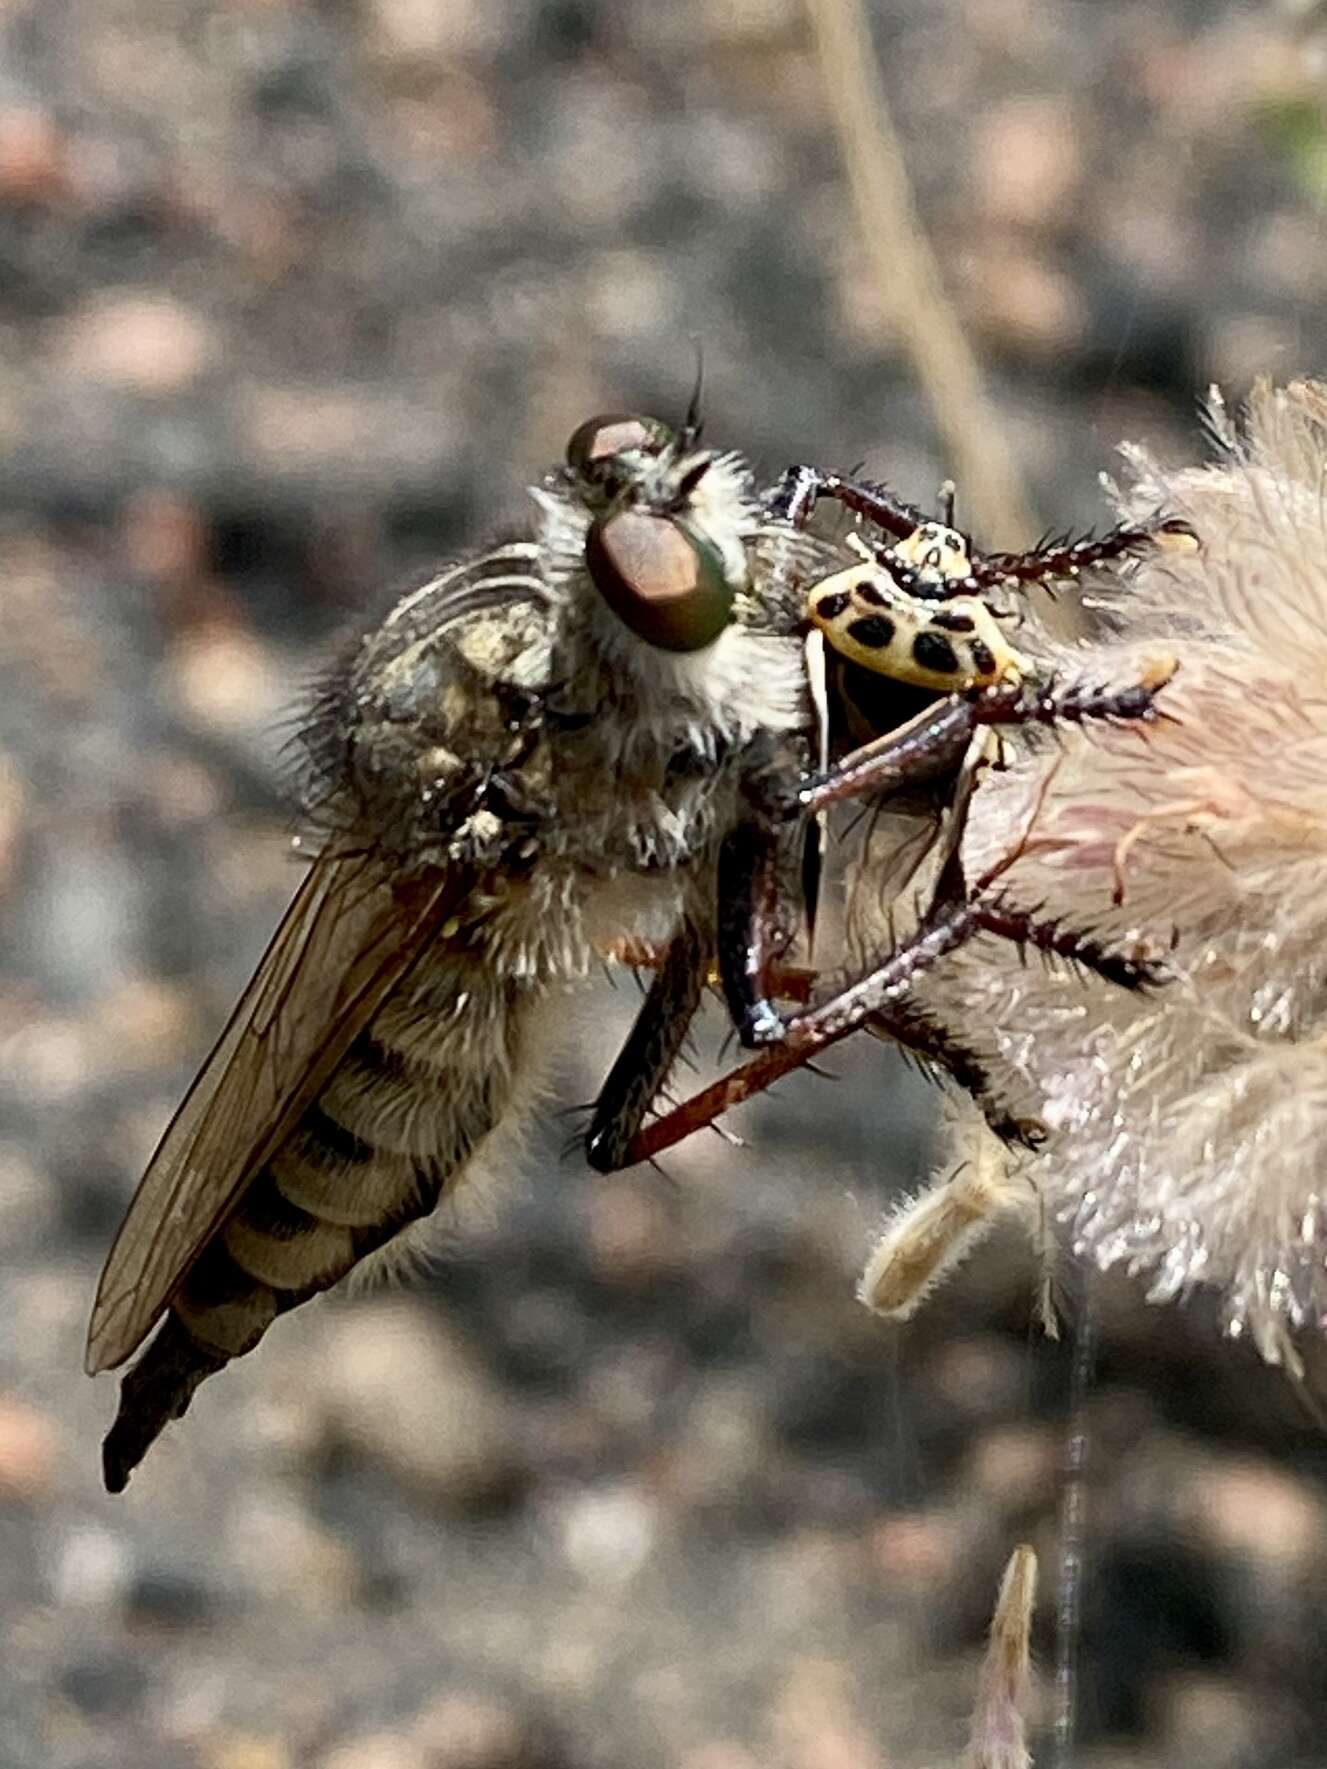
x=345, y=943
x=347, y=940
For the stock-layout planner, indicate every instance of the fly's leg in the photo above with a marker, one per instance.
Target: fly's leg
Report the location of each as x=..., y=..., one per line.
x=749, y=929
x=1126, y=970
x=873, y=999
x=801, y=488
x=656, y=1039
x=652, y=1047
x=879, y=1002
x=787, y=982
x=931, y=744
x=934, y=743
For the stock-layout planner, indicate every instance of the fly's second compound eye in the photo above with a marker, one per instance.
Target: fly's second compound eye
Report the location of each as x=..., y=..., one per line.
x=662, y=579
x=595, y=444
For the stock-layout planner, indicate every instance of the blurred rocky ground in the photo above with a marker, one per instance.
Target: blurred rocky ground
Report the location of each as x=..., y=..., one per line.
x=295, y=299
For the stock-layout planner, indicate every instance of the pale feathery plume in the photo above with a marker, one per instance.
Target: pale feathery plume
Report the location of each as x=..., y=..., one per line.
x=1187, y=1124
x=999, y=1721
x=928, y=1234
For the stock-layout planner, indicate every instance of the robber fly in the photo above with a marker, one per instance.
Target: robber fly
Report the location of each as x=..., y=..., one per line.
x=920, y=667
x=535, y=753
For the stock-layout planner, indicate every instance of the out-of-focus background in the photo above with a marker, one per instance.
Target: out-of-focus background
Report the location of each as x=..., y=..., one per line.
x=296, y=299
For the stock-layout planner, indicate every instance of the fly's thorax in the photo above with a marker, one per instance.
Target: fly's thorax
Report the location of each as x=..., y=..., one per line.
x=513, y=707
x=415, y=735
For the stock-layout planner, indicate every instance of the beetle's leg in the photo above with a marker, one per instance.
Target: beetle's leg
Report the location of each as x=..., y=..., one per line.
x=801, y=488
x=1057, y=561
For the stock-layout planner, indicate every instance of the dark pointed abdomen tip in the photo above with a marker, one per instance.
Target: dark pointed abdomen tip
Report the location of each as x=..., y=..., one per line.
x=127, y=1442
x=156, y=1390
x=115, y=1466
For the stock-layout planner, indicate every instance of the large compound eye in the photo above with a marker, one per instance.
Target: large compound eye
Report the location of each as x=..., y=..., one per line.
x=598, y=440
x=662, y=580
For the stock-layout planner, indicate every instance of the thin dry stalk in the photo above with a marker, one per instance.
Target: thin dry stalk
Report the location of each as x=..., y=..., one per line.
x=999, y=1720
x=909, y=277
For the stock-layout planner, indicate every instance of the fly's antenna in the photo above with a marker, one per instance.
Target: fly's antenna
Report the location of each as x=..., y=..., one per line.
x=693, y=424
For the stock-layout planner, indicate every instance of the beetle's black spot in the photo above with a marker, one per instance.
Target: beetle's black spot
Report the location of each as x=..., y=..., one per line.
x=872, y=595
x=931, y=652
x=953, y=623
x=873, y=631
x=831, y=607
x=982, y=657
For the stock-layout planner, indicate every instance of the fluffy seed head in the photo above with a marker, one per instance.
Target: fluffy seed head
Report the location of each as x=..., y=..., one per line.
x=1189, y=1124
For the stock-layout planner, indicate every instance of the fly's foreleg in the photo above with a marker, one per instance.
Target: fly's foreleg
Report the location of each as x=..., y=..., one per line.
x=652, y=1047
x=934, y=743
x=749, y=929
x=929, y=747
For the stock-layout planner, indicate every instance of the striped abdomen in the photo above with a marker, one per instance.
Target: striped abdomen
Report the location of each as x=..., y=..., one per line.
x=418, y=1091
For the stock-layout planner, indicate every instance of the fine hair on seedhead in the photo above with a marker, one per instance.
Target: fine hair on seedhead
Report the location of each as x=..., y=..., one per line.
x=1186, y=1123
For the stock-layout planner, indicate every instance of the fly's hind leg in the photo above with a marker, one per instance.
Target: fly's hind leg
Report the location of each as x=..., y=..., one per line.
x=930, y=745
x=877, y=1000
x=749, y=929
x=880, y=1001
